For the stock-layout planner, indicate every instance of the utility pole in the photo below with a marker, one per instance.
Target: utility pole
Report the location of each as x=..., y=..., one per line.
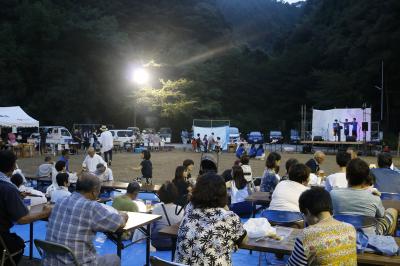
x=381, y=89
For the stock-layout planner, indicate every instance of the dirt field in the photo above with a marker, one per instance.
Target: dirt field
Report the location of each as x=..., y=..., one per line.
x=164, y=163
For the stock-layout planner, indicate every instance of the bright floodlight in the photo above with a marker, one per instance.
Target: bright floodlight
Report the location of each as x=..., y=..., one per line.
x=140, y=76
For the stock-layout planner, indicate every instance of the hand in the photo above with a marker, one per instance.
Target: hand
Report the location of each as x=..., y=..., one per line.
x=47, y=210
x=24, y=194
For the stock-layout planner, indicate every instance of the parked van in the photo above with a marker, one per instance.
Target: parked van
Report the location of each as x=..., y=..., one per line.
x=57, y=134
x=166, y=133
x=122, y=135
x=234, y=135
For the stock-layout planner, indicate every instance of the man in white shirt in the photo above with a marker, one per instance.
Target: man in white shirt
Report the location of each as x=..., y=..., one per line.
x=104, y=173
x=92, y=160
x=338, y=180
x=62, y=190
x=107, y=144
x=45, y=169
x=287, y=193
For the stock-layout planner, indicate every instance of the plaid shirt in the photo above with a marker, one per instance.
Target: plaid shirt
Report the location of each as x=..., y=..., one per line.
x=74, y=222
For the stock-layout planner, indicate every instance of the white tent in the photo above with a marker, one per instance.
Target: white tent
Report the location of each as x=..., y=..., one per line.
x=14, y=116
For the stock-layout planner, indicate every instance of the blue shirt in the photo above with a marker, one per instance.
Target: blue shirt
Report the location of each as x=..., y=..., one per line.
x=239, y=152
x=62, y=158
x=386, y=180
x=269, y=181
x=354, y=124
x=259, y=152
x=12, y=207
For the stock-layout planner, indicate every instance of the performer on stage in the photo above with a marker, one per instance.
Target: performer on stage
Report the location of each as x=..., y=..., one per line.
x=346, y=126
x=354, y=128
x=336, y=130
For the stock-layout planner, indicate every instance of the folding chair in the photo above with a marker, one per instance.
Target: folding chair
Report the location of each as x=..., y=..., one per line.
x=6, y=253
x=284, y=218
x=54, y=248
x=358, y=221
x=242, y=209
x=390, y=196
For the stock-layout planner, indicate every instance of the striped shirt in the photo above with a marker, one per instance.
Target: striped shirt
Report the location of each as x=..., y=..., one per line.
x=298, y=257
x=74, y=222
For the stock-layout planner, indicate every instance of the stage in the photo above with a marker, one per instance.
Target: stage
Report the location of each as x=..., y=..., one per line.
x=366, y=147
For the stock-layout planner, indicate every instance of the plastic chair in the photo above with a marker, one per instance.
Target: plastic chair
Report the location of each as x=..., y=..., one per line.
x=284, y=218
x=54, y=248
x=358, y=221
x=243, y=209
x=6, y=253
x=156, y=261
x=390, y=196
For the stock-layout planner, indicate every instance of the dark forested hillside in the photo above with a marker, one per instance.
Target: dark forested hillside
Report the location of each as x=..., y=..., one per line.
x=262, y=24
x=254, y=62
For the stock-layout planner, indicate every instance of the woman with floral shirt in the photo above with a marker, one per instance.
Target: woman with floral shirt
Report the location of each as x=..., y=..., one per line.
x=208, y=232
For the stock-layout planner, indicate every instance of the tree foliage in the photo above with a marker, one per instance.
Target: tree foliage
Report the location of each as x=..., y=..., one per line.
x=253, y=62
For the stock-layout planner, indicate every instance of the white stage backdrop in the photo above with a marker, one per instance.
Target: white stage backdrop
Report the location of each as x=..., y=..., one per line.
x=222, y=132
x=322, y=122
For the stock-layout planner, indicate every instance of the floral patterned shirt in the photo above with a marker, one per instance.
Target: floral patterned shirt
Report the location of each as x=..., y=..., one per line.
x=208, y=236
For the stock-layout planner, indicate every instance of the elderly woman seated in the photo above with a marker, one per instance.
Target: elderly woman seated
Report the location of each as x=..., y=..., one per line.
x=208, y=232
x=325, y=241
x=358, y=199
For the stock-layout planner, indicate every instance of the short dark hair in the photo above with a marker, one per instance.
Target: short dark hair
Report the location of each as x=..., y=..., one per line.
x=168, y=192
x=315, y=200
x=238, y=177
x=357, y=172
x=87, y=183
x=146, y=154
x=299, y=173
x=133, y=187
x=60, y=165
x=272, y=158
x=244, y=159
x=209, y=192
x=17, y=179
x=179, y=172
x=64, y=152
x=384, y=160
x=7, y=161
x=188, y=162
x=47, y=159
x=343, y=158
x=289, y=163
x=62, y=178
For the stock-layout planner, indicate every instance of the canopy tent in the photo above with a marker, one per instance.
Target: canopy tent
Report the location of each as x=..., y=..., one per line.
x=14, y=116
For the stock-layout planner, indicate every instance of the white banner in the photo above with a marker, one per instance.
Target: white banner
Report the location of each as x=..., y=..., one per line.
x=222, y=132
x=322, y=122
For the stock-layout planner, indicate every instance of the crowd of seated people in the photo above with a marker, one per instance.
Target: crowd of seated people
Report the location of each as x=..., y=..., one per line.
x=209, y=231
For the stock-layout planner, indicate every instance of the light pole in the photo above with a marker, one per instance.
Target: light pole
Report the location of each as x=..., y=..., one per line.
x=140, y=76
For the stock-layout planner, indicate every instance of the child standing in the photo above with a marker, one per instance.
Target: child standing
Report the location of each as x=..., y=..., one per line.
x=146, y=166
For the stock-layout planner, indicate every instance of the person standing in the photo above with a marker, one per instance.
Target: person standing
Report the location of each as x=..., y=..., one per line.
x=107, y=144
x=205, y=143
x=346, y=126
x=336, y=130
x=43, y=136
x=354, y=125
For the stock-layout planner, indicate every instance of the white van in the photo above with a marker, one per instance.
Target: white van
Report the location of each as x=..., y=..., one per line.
x=234, y=135
x=123, y=136
x=57, y=134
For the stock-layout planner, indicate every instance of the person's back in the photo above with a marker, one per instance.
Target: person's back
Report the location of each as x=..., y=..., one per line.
x=74, y=222
x=124, y=203
x=356, y=201
x=329, y=243
x=286, y=196
x=59, y=193
x=386, y=180
x=269, y=181
x=238, y=195
x=44, y=169
x=337, y=180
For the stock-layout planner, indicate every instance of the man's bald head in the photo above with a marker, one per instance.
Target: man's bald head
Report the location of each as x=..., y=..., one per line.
x=88, y=183
x=319, y=156
x=91, y=151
